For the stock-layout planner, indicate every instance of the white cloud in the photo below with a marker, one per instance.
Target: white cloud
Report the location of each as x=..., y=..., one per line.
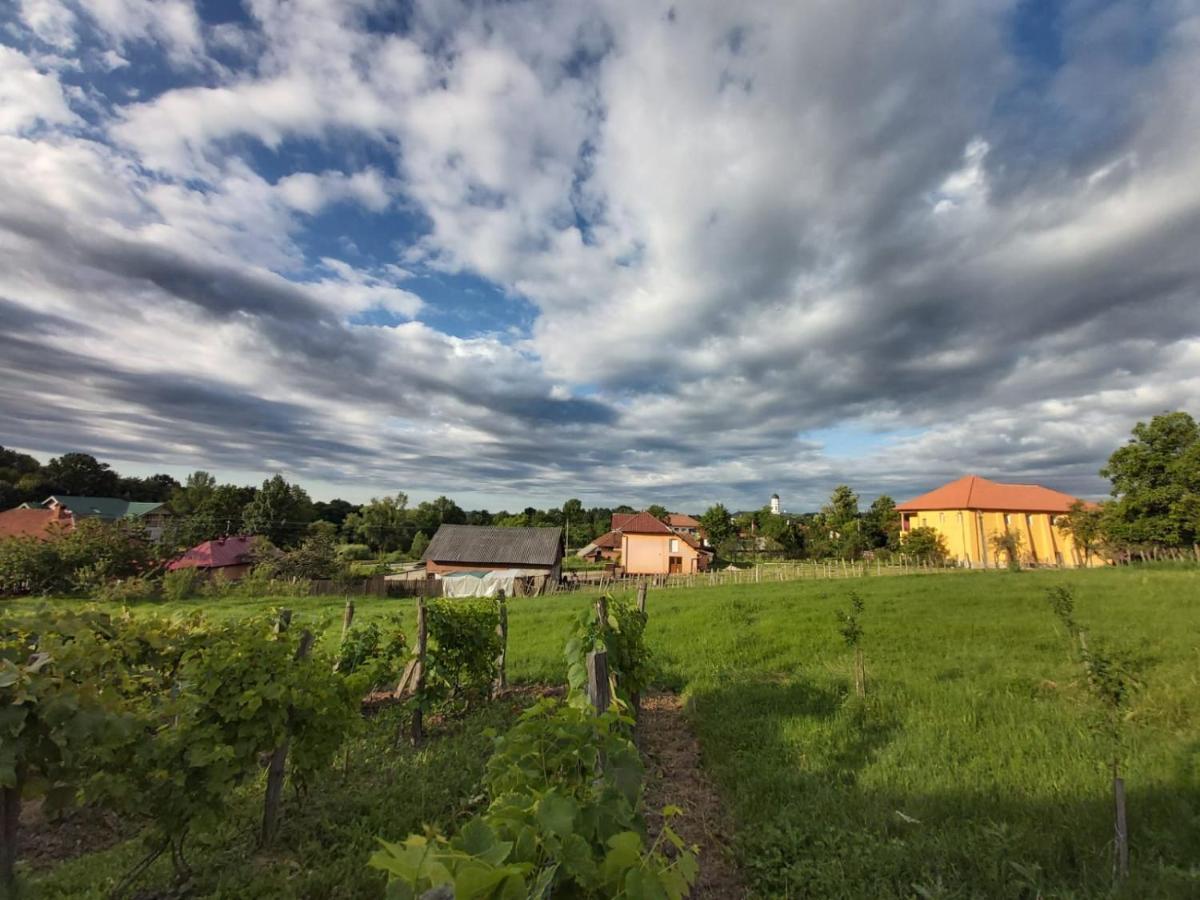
x=27, y=96
x=737, y=226
x=51, y=20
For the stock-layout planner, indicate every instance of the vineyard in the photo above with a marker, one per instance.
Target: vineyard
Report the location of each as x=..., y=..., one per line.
x=925, y=736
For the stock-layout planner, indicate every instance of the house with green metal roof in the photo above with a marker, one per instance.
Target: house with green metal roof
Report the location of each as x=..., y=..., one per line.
x=153, y=515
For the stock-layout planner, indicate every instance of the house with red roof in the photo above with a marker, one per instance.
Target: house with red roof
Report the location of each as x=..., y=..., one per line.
x=233, y=557
x=35, y=521
x=968, y=512
x=651, y=547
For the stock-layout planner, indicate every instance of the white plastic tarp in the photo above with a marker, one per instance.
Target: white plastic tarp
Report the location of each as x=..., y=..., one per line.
x=485, y=584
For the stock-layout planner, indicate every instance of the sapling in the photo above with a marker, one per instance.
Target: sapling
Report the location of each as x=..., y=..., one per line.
x=852, y=633
x=1112, y=680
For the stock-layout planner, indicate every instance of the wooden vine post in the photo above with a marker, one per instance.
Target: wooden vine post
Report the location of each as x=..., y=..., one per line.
x=860, y=673
x=11, y=812
x=597, y=665
x=418, y=720
x=641, y=596
x=597, y=672
x=347, y=620
x=277, y=767
x=1121, y=829
x=502, y=633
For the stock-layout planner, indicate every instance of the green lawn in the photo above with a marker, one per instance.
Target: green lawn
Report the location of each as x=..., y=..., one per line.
x=972, y=768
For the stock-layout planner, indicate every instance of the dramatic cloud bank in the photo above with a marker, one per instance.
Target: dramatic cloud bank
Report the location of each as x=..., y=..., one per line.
x=627, y=250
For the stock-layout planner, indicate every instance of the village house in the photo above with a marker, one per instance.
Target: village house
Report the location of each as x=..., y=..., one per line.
x=232, y=556
x=970, y=511
x=650, y=547
x=34, y=521
x=681, y=523
x=109, y=509
x=606, y=548
x=515, y=560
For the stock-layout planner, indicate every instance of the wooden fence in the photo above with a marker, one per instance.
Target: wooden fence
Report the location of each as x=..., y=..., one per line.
x=375, y=586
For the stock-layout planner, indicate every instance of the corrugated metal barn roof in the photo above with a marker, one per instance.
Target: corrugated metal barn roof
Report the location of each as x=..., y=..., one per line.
x=492, y=545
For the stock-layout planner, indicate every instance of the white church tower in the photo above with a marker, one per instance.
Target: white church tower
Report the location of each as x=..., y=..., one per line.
x=775, y=509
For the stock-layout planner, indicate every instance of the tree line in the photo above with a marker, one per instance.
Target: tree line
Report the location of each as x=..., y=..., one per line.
x=1155, y=504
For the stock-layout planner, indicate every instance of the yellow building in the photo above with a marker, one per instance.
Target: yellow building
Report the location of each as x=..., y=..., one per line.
x=970, y=511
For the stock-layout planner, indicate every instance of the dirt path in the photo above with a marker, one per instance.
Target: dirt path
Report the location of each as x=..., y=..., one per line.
x=674, y=776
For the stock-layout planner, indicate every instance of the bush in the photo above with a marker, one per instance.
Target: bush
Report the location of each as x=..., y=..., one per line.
x=128, y=590
x=352, y=552
x=218, y=585
x=375, y=655
x=30, y=566
x=925, y=542
x=181, y=584
x=462, y=660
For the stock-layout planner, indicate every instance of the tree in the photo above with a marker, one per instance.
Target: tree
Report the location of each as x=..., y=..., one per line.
x=279, y=511
x=784, y=531
x=1156, y=482
x=1010, y=545
x=718, y=526
x=659, y=512
x=334, y=511
x=381, y=524
x=151, y=489
x=1086, y=524
x=205, y=510
x=419, y=542
x=926, y=542
x=841, y=521
x=81, y=474
x=881, y=523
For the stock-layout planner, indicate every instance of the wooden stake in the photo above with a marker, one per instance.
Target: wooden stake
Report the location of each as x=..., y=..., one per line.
x=418, y=721
x=10, y=813
x=276, y=769
x=641, y=596
x=502, y=632
x=347, y=618
x=1121, y=849
x=598, y=689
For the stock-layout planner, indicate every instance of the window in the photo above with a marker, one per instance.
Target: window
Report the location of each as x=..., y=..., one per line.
x=674, y=545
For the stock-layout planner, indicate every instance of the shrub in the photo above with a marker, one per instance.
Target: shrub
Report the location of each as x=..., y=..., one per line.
x=181, y=584
x=128, y=590
x=30, y=566
x=95, y=552
x=352, y=552
x=375, y=655
x=218, y=585
x=926, y=542
x=1009, y=544
x=462, y=661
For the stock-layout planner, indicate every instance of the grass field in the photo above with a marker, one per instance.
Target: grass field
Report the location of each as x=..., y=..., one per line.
x=970, y=770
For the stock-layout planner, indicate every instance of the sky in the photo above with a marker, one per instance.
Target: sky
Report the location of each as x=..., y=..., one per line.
x=631, y=252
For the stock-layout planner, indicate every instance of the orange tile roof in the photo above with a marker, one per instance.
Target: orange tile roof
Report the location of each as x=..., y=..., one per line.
x=36, y=522
x=682, y=520
x=608, y=541
x=974, y=492
x=639, y=523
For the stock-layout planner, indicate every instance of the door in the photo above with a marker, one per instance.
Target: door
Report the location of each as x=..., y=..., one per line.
x=674, y=565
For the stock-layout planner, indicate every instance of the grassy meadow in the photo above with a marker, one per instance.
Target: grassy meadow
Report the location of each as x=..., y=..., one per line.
x=971, y=769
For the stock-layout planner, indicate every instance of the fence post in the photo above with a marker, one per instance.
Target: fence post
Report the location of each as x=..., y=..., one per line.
x=641, y=596
x=502, y=632
x=276, y=769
